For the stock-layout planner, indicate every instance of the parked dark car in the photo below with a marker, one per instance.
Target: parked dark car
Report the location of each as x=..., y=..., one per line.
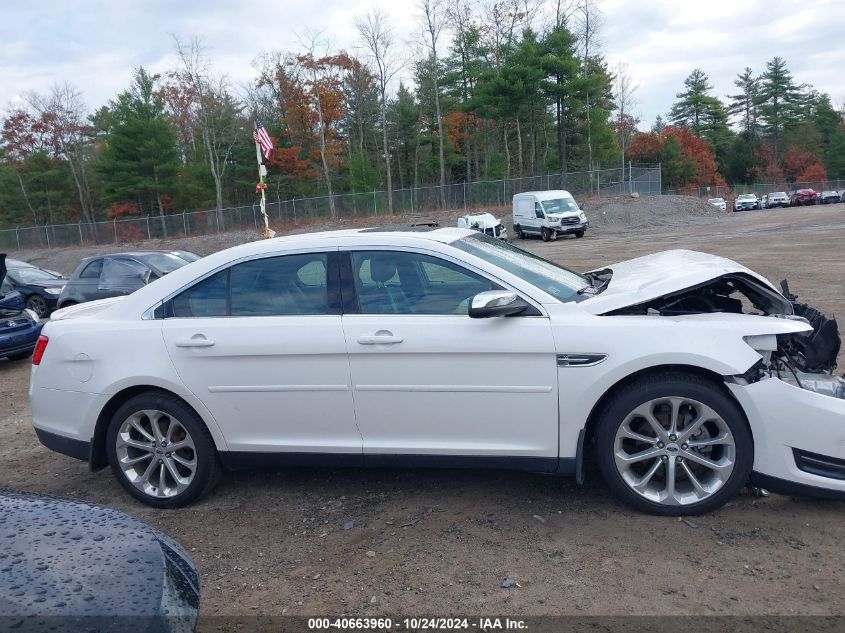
x=18, y=263
x=72, y=566
x=802, y=198
x=19, y=327
x=104, y=276
x=830, y=197
x=40, y=288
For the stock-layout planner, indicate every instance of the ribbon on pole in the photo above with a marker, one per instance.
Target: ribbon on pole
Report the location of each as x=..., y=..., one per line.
x=263, y=145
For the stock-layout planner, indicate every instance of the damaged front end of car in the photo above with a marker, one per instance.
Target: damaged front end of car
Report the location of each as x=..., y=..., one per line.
x=792, y=397
x=806, y=360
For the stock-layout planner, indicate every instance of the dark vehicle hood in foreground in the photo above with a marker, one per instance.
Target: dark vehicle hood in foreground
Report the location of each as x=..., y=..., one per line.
x=76, y=564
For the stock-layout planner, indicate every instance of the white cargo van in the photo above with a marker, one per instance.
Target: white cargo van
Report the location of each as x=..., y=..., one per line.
x=547, y=214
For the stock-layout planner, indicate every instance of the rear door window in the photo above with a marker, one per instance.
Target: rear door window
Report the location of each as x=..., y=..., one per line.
x=272, y=286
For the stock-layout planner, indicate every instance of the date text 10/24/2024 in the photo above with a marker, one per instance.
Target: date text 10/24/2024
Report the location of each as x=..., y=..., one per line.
x=417, y=624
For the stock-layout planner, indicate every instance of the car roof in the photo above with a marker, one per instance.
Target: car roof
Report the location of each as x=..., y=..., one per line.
x=133, y=254
x=549, y=194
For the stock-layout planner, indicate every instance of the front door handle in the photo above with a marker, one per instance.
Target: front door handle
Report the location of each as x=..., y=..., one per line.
x=380, y=338
x=197, y=340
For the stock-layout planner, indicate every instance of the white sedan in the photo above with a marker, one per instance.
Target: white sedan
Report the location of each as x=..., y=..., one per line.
x=683, y=376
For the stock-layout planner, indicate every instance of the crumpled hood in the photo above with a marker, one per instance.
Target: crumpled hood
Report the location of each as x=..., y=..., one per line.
x=642, y=279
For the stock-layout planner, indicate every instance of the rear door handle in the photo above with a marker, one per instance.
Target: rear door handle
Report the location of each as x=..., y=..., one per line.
x=380, y=339
x=198, y=340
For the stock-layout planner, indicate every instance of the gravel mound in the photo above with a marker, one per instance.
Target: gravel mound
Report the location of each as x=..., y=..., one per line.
x=624, y=212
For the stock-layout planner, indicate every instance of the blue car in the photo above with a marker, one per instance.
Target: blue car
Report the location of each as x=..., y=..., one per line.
x=19, y=327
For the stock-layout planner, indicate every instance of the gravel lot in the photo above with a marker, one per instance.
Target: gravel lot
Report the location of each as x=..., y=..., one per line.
x=440, y=542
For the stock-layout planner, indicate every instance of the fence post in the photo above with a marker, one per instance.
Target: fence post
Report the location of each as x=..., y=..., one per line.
x=375, y=204
x=293, y=204
x=149, y=234
x=465, y=196
x=81, y=243
x=185, y=222
x=18, y=238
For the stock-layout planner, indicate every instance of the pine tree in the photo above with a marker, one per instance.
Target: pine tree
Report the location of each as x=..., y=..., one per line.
x=744, y=103
x=697, y=110
x=139, y=162
x=779, y=100
x=561, y=84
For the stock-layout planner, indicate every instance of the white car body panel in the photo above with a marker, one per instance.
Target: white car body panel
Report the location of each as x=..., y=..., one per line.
x=454, y=386
x=783, y=417
x=293, y=392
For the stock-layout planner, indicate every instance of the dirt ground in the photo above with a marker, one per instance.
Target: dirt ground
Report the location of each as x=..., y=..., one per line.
x=440, y=542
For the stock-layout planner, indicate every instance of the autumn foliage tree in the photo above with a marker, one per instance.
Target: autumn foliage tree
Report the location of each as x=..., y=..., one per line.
x=688, y=161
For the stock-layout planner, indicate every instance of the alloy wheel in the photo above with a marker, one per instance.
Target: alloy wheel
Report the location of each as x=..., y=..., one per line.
x=37, y=305
x=674, y=451
x=156, y=453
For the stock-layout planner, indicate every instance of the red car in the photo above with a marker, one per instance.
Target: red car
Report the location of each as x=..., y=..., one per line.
x=802, y=197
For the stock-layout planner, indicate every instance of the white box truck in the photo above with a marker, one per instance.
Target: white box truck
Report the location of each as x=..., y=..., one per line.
x=547, y=214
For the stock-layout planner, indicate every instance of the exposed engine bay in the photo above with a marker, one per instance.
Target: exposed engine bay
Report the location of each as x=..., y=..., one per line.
x=804, y=360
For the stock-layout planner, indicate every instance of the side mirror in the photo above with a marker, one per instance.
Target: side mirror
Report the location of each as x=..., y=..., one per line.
x=583, y=206
x=494, y=303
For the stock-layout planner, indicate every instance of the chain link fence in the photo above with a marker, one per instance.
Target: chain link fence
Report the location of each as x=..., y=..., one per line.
x=644, y=180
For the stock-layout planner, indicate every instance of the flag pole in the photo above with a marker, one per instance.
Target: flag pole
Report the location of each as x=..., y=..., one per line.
x=262, y=171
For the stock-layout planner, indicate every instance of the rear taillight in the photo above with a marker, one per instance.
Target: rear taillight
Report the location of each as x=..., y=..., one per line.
x=40, y=346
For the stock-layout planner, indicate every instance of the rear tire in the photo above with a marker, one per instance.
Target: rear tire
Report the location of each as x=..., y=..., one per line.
x=679, y=428
x=141, y=445
x=518, y=232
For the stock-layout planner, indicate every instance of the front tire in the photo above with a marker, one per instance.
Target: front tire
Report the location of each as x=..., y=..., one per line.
x=38, y=305
x=161, y=451
x=545, y=234
x=579, y=233
x=673, y=444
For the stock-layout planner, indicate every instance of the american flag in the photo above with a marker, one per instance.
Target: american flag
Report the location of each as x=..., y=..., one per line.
x=260, y=136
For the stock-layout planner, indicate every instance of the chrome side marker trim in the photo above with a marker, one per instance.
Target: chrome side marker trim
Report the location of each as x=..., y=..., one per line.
x=580, y=360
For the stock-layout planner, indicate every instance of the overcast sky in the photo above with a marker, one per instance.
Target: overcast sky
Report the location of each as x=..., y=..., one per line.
x=95, y=44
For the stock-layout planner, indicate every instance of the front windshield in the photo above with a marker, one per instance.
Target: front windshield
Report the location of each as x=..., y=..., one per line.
x=748, y=196
x=164, y=262
x=562, y=283
x=560, y=205
x=715, y=200
x=29, y=275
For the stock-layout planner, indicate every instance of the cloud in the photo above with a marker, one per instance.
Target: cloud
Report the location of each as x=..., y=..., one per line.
x=96, y=44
